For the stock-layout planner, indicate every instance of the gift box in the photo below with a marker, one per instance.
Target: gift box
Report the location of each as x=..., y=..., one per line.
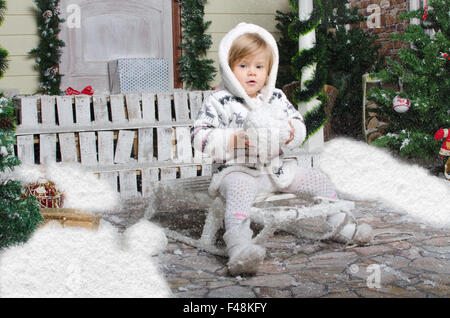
x=137, y=75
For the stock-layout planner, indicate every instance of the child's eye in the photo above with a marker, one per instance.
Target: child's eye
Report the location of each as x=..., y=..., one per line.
x=242, y=65
x=260, y=67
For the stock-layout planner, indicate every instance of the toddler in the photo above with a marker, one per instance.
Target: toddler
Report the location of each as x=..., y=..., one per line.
x=248, y=59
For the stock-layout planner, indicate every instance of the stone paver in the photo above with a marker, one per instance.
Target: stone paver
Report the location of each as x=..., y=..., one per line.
x=295, y=268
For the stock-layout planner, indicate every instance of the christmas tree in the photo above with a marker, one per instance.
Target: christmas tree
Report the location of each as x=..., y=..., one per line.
x=18, y=216
x=345, y=55
x=422, y=70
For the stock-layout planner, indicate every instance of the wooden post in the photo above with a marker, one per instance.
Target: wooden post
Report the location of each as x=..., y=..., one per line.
x=308, y=41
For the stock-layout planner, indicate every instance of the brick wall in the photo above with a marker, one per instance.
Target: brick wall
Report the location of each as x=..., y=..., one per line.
x=388, y=21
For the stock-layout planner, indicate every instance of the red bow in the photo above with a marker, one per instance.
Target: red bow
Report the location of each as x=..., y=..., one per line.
x=88, y=90
x=425, y=11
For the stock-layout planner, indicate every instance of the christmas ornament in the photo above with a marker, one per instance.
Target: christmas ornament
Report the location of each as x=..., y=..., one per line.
x=47, y=14
x=45, y=193
x=445, y=56
x=400, y=104
x=445, y=148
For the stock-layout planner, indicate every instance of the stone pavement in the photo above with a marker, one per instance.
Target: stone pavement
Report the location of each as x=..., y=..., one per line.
x=295, y=268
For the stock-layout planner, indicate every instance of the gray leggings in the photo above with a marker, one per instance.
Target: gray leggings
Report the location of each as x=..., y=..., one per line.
x=240, y=189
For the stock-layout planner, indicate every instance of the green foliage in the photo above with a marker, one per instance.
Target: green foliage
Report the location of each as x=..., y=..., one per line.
x=48, y=53
x=425, y=77
x=19, y=216
x=315, y=118
x=195, y=71
x=342, y=58
x=3, y=52
x=288, y=48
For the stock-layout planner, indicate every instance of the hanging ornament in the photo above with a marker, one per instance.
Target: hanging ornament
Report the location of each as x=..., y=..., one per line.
x=445, y=56
x=425, y=10
x=401, y=104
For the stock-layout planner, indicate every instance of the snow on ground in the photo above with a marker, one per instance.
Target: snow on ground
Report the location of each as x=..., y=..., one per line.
x=82, y=190
x=365, y=172
x=76, y=262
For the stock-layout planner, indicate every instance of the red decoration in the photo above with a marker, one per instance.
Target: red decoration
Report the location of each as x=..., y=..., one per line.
x=45, y=193
x=71, y=91
x=445, y=148
x=400, y=104
x=425, y=11
x=88, y=90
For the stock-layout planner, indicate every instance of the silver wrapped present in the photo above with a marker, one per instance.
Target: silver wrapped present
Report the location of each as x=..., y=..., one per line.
x=137, y=75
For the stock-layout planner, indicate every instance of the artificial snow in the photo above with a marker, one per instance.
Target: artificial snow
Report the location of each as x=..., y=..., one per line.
x=82, y=190
x=76, y=262
x=364, y=172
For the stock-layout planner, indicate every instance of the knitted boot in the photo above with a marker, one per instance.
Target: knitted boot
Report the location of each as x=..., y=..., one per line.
x=244, y=256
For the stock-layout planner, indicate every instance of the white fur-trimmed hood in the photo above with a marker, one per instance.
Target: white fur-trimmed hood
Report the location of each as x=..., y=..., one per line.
x=229, y=80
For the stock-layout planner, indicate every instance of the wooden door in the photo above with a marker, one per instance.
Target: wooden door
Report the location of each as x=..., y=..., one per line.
x=111, y=29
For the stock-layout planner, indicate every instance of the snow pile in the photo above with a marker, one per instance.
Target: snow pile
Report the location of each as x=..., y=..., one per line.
x=76, y=262
x=82, y=190
x=365, y=172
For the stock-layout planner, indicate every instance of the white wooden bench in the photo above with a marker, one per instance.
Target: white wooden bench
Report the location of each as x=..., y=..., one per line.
x=134, y=141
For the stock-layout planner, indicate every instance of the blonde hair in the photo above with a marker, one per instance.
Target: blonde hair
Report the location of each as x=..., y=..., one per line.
x=248, y=44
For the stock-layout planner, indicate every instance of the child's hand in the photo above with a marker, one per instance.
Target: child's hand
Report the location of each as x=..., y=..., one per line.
x=291, y=133
x=238, y=139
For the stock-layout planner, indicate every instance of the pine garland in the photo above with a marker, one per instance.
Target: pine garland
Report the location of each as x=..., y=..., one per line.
x=316, y=117
x=195, y=71
x=48, y=53
x=3, y=52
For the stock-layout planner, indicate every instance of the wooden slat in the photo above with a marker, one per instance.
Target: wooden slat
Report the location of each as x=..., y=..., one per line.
x=184, y=147
x=48, y=110
x=105, y=147
x=148, y=179
x=165, y=151
x=164, y=108
x=128, y=184
x=68, y=147
x=110, y=178
x=47, y=148
x=124, y=146
x=148, y=108
x=168, y=174
x=181, y=106
x=195, y=100
x=25, y=149
x=29, y=112
x=117, y=109
x=206, y=170
x=88, y=151
x=206, y=94
x=145, y=145
x=83, y=110
x=100, y=109
x=65, y=112
x=133, y=107
x=188, y=172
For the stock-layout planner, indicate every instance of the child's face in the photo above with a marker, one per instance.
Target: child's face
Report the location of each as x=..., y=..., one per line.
x=251, y=72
